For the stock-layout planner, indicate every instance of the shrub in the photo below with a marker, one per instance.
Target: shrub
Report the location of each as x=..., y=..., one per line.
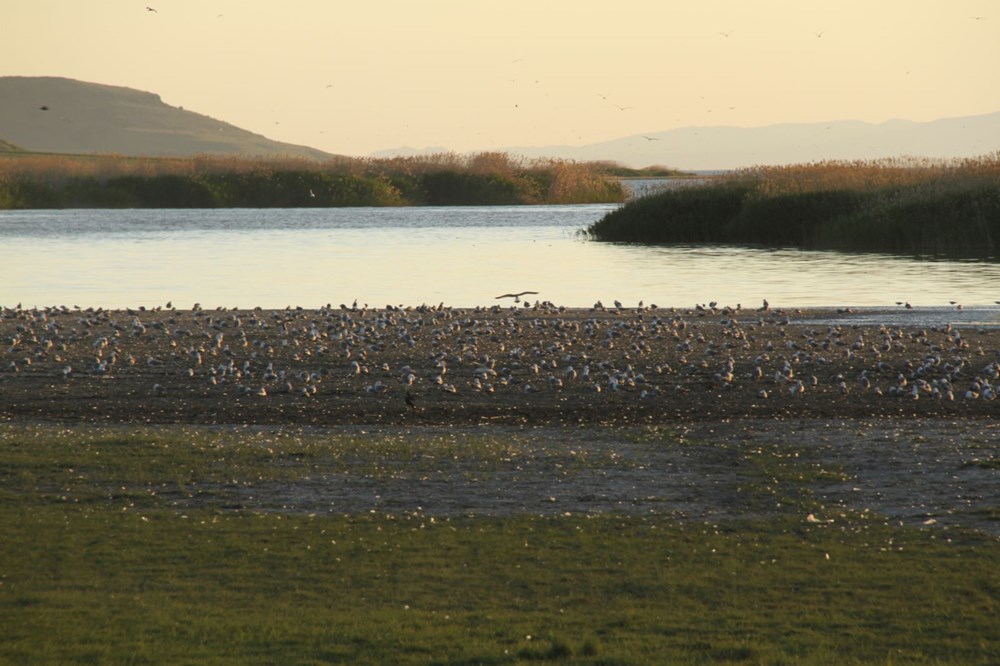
x=902, y=205
x=454, y=188
x=203, y=181
x=688, y=215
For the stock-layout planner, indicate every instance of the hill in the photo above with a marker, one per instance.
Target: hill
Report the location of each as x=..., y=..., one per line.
x=59, y=115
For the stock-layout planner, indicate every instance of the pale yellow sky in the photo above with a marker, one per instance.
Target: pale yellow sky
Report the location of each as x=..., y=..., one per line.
x=353, y=77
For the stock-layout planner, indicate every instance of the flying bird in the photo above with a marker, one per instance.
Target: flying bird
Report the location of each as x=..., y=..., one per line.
x=150, y=9
x=517, y=296
x=43, y=108
x=649, y=138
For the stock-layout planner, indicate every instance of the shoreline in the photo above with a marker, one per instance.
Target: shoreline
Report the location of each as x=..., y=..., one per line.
x=538, y=365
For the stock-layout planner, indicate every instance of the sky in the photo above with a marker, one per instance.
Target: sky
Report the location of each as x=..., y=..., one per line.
x=352, y=77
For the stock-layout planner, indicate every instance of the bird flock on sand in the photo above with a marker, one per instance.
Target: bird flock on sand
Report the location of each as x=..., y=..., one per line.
x=348, y=363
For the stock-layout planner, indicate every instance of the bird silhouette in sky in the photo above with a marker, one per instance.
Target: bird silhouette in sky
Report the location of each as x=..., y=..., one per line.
x=517, y=296
x=150, y=9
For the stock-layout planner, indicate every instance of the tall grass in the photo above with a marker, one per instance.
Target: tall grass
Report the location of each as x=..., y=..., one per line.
x=29, y=180
x=902, y=205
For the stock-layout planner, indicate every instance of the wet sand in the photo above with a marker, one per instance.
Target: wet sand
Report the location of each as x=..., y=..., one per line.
x=922, y=473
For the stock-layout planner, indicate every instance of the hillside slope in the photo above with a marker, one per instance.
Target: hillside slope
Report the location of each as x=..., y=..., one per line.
x=59, y=115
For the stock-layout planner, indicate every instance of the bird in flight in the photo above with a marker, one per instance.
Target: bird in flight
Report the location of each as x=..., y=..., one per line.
x=150, y=9
x=649, y=138
x=43, y=108
x=622, y=108
x=517, y=296
x=726, y=34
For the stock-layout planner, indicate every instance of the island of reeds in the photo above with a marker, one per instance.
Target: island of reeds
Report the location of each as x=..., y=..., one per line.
x=901, y=205
x=34, y=180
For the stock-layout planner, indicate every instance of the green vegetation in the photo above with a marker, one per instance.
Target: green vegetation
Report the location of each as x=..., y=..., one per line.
x=655, y=171
x=131, y=545
x=30, y=180
x=901, y=206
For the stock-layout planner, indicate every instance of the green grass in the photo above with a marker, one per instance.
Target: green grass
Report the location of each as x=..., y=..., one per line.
x=100, y=563
x=942, y=209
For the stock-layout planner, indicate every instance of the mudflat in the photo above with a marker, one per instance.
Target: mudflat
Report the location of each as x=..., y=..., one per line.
x=538, y=365
x=895, y=419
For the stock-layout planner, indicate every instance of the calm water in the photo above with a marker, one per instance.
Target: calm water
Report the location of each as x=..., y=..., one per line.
x=461, y=256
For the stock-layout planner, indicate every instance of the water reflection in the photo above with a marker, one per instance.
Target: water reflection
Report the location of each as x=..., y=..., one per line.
x=461, y=256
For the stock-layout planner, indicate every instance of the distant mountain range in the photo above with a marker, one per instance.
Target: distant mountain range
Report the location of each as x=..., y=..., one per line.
x=58, y=115
x=722, y=147
x=727, y=147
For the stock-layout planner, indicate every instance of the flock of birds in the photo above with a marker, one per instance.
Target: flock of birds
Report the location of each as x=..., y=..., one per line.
x=405, y=360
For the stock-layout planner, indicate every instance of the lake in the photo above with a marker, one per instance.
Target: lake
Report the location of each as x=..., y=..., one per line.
x=462, y=256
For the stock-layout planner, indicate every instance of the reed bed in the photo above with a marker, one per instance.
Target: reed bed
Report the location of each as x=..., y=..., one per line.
x=31, y=180
x=901, y=205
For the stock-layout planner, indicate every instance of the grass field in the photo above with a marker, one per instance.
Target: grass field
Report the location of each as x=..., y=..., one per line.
x=139, y=545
